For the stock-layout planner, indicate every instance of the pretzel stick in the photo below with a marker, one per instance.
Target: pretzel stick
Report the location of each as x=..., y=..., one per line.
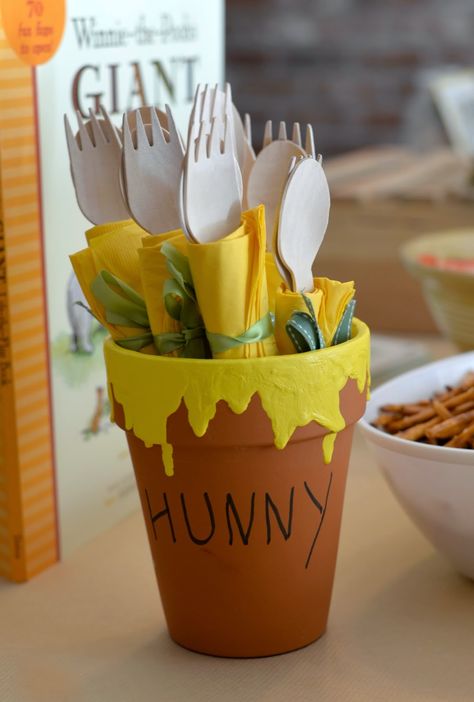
x=468, y=380
x=417, y=432
x=445, y=420
x=462, y=439
x=413, y=419
x=451, y=426
x=430, y=412
x=459, y=399
x=411, y=408
x=384, y=420
x=441, y=410
x=464, y=407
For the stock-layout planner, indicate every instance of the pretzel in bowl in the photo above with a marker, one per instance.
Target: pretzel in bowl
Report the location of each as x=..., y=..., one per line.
x=447, y=419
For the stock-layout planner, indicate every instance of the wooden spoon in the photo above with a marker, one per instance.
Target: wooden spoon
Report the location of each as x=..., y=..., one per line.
x=302, y=222
x=267, y=179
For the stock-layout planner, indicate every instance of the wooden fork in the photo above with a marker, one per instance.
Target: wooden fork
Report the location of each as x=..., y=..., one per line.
x=152, y=164
x=295, y=136
x=95, y=154
x=211, y=191
x=210, y=103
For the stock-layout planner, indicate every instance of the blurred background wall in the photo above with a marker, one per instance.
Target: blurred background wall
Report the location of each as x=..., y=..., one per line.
x=355, y=69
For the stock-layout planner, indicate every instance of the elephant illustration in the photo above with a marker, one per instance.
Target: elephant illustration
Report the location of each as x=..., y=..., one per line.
x=80, y=319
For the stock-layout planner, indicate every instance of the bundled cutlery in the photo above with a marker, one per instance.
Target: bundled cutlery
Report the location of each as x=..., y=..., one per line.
x=204, y=187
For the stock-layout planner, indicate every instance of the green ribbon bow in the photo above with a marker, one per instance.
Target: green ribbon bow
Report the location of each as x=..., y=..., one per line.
x=257, y=332
x=123, y=306
x=305, y=333
x=193, y=341
x=181, y=305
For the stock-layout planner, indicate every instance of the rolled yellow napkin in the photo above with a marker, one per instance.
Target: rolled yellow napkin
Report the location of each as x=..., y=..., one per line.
x=154, y=273
x=113, y=247
x=336, y=296
x=329, y=300
x=158, y=239
x=231, y=287
x=274, y=279
x=100, y=229
x=116, y=250
x=287, y=302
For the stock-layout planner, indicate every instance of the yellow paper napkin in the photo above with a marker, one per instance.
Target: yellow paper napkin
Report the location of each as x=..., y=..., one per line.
x=112, y=247
x=231, y=287
x=154, y=273
x=329, y=299
x=336, y=295
x=287, y=302
x=274, y=279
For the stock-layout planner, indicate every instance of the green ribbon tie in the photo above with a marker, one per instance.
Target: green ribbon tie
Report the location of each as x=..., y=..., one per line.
x=303, y=329
x=123, y=306
x=305, y=333
x=180, y=303
x=344, y=329
x=257, y=332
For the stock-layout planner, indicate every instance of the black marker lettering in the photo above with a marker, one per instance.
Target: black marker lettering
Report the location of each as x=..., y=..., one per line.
x=194, y=538
x=322, y=511
x=269, y=504
x=164, y=512
x=230, y=505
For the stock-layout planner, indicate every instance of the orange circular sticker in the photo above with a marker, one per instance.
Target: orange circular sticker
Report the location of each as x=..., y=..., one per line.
x=33, y=27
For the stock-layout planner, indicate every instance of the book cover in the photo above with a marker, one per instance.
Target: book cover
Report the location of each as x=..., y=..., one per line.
x=65, y=473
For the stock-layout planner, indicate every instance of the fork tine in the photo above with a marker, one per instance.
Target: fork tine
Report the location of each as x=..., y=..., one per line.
x=282, y=131
x=195, y=110
x=108, y=128
x=267, y=134
x=111, y=132
x=309, y=142
x=156, y=131
x=97, y=133
x=205, y=105
x=229, y=114
x=214, y=139
x=214, y=105
x=193, y=117
x=127, y=134
x=175, y=136
x=201, y=146
x=142, y=139
x=228, y=100
x=248, y=127
x=72, y=144
x=228, y=136
x=296, y=134
x=84, y=138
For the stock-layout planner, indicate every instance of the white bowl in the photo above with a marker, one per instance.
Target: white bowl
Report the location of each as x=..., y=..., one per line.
x=435, y=485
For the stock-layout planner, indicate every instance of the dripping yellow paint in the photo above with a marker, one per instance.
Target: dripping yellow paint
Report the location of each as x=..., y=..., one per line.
x=294, y=389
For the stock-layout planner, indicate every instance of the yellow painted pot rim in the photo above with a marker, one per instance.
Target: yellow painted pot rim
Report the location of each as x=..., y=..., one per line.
x=360, y=335
x=294, y=389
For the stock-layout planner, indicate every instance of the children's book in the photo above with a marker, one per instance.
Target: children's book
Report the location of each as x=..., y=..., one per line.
x=65, y=472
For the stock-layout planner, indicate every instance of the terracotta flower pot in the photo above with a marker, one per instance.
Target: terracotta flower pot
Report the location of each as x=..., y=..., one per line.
x=244, y=535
